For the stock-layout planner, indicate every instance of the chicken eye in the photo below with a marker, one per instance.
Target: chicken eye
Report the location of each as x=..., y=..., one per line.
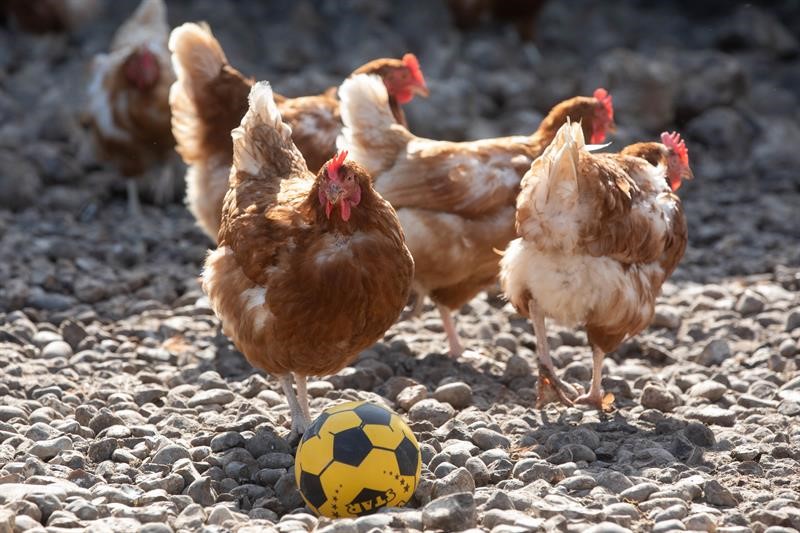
x=349, y=177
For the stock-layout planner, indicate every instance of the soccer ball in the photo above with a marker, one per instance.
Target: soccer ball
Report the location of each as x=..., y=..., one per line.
x=356, y=458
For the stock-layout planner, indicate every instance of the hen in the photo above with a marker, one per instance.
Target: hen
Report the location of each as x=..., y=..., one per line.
x=129, y=97
x=42, y=16
x=309, y=271
x=455, y=200
x=523, y=13
x=210, y=97
x=599, y=234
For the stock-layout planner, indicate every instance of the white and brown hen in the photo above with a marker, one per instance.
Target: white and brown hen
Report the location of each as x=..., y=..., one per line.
x=598, y=236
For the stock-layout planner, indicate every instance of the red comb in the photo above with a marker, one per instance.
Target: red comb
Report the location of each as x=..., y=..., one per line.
x=675, y=143
x=411, y=62
x=335, y=164
x=605, y=99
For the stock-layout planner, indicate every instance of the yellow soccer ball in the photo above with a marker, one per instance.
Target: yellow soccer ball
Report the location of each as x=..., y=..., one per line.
x=356, y=458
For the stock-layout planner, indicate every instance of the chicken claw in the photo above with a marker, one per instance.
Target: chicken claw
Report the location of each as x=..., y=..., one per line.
x=550, y=388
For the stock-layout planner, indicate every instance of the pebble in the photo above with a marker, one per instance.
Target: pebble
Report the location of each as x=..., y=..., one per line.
x=578, y=483
x=666, y=317
x=668, y=525
x=192, y=517
x=709, y=389
x=487, y=439
x=104, y=419
x=639, y=492
x=8, y=412
x=47, y=449
x=715, y=353
x=673, y=512
x=202, y=492
x=318, y=389
x=793, y=320
x=616, y=482
x=434, y=411
x=170, y=454
x=657, y=397
x=412, y=395
x=459, y=480
x=699, y=434
x=716, y=494
x=211, y=397
x=226, y=440
x=700, y=522
x=57, y=348
x=712, y=415
x=221, y=515
x=750, y=303
x=516, y=367
x=454, y=512
x=457, y=394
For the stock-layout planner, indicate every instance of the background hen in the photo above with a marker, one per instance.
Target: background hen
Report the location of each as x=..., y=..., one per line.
x=599, y=235
x=209, y=99
x=42, y=16
x=129, y=99
x=299, y=279
x=455, y=200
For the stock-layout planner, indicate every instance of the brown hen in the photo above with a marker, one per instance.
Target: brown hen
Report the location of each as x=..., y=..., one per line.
x=309, y=271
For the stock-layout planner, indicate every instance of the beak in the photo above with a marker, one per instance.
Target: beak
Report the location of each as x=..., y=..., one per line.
x=687, y=173
x=334, y=192
x=420, y=89
x=612, y=128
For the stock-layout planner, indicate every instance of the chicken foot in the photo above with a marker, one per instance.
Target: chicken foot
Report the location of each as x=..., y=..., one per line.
x=548, y=383
x=299, y=412
x=595, y=395
x=456, y=348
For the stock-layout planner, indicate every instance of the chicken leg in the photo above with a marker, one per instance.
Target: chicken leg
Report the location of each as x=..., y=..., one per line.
x=134, y=207
x=419, y=303
x=302, y=395
x=456, y=349
x=548, y=381
x=164, y=187
x=300, y=420
x=595, y=395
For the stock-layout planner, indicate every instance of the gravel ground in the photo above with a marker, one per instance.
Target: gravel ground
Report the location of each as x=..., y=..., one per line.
x=123, y=408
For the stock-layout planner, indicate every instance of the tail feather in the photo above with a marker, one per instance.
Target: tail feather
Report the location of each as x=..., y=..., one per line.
x=370, y=134
x=147, y=24
x=197, y=59
x=561, y=156
x=262, y=144
x=550, y=190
